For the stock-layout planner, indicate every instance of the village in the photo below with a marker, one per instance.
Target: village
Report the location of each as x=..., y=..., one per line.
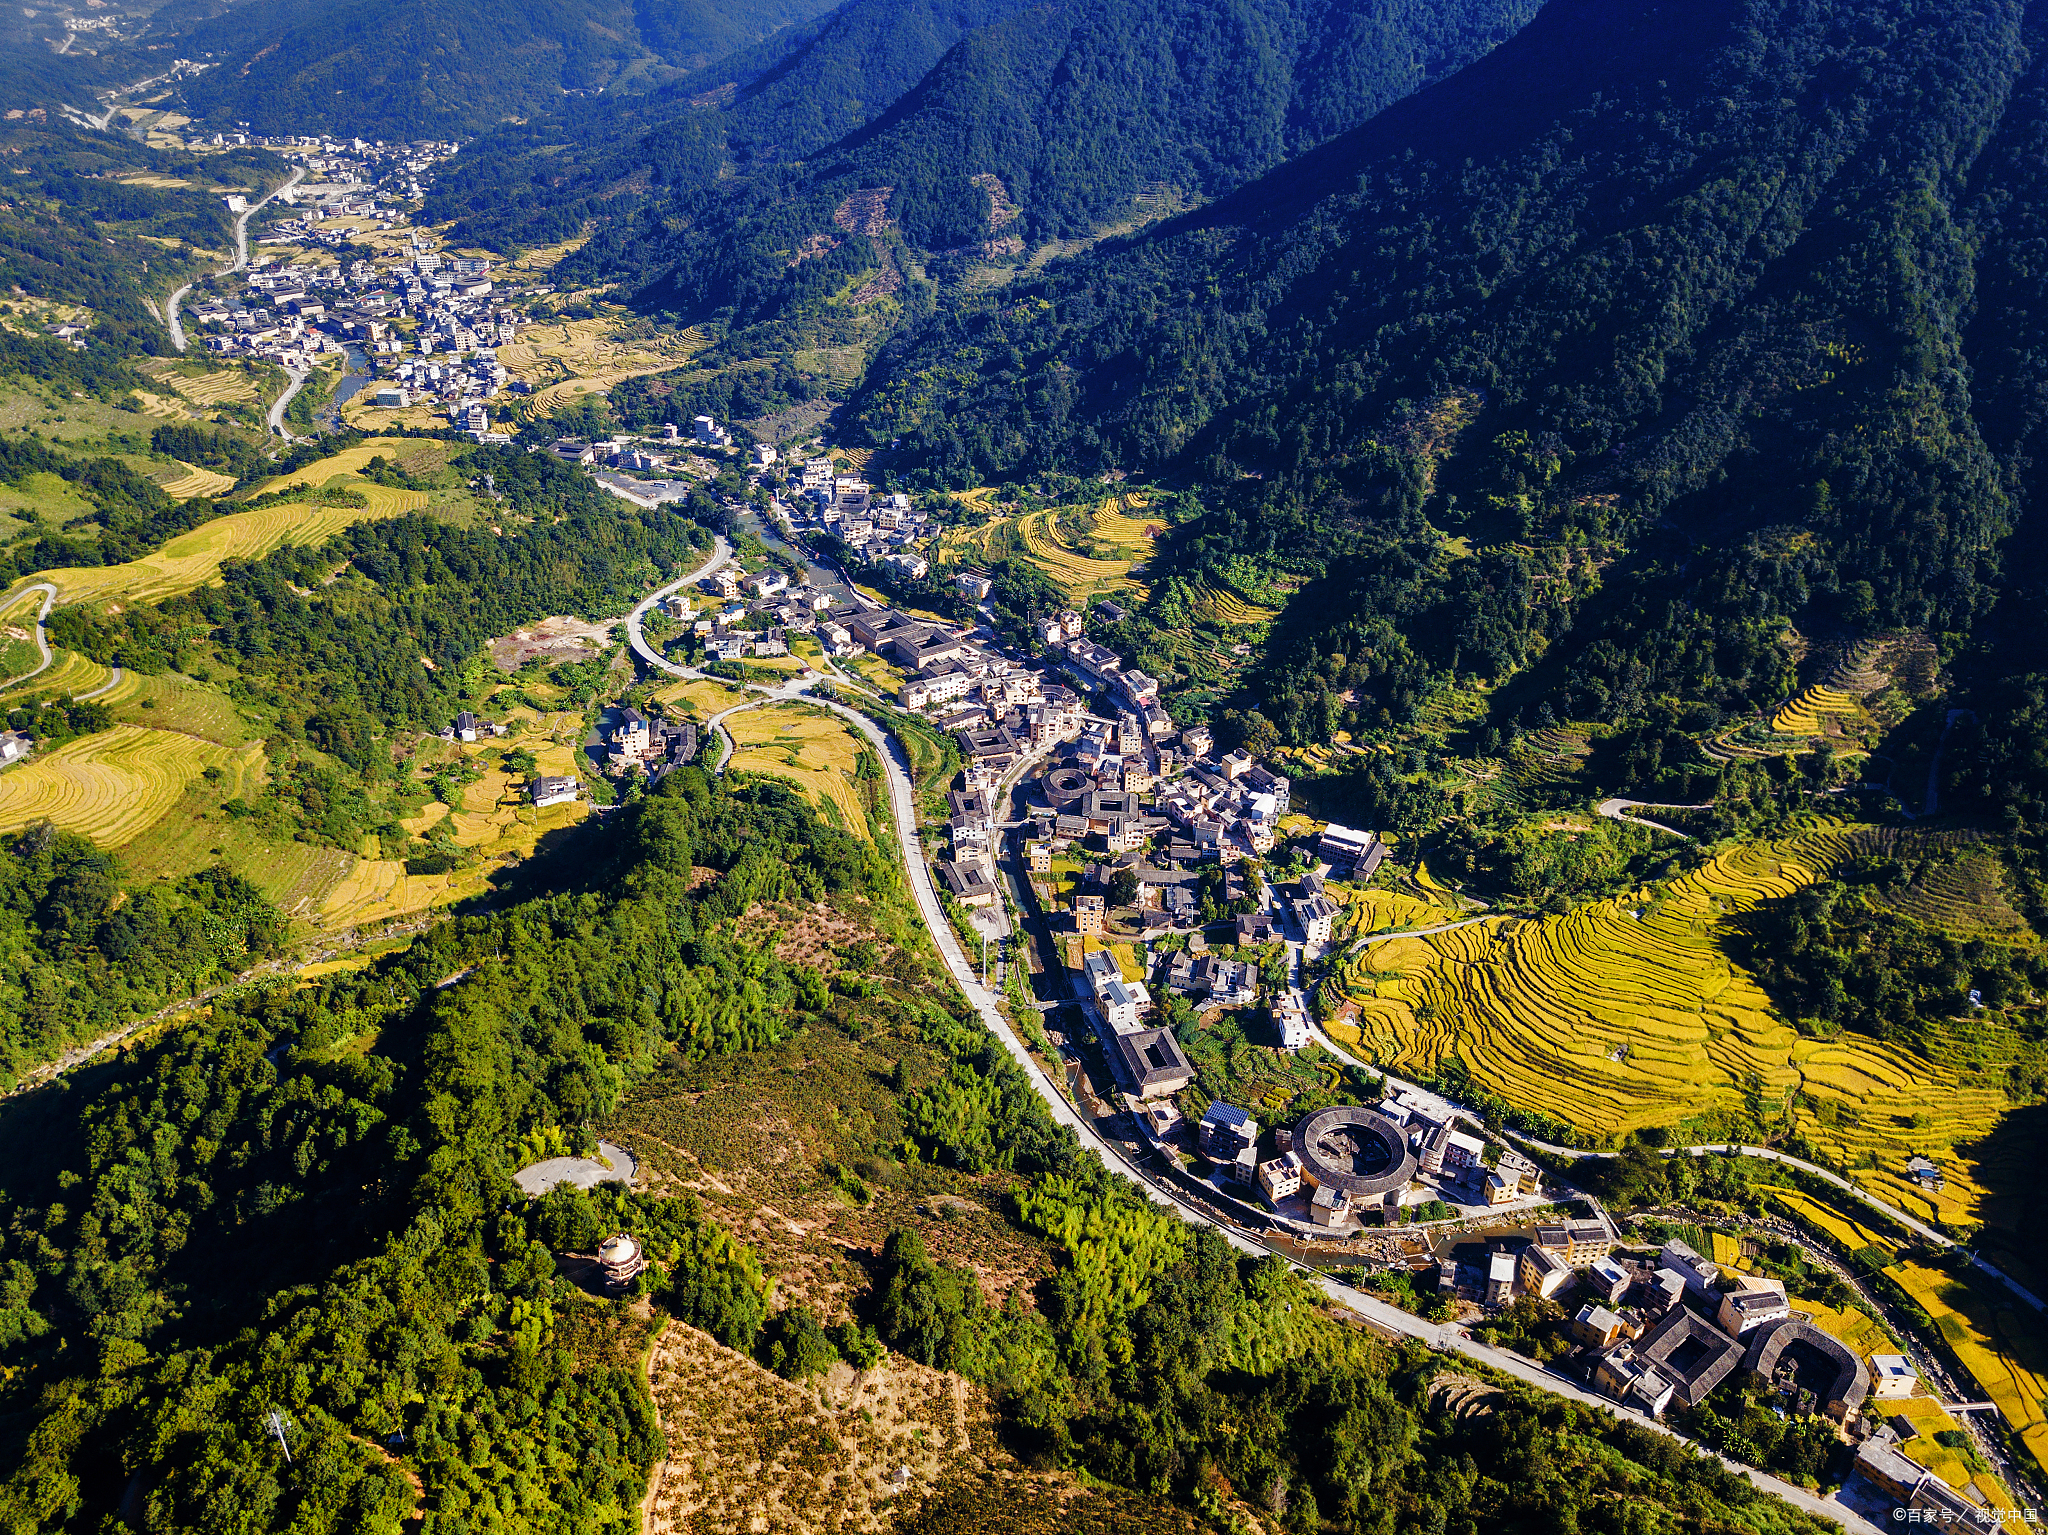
x=1146, y=858
x=426, y=321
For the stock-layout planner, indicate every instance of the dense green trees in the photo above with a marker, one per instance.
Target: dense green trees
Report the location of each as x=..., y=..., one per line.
x=86, y=956
x=1841, y=954
x=302, y=1200
x=454, y=67
x=1604, y=303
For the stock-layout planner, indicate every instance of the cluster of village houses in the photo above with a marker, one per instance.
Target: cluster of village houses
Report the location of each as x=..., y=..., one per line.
x=878, y=528
x=1663, y=1331
x=294, y=312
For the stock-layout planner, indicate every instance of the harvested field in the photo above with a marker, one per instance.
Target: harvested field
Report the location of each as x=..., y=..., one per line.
x=552, y=640
x=174, y=702
x=109, y=787
x=227, y=385
x=809, y=747
x=192, y=559
x=850, y=1456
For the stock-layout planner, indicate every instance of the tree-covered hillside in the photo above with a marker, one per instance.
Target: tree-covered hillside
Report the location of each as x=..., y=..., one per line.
x=448, y=67
x=1031, y=125
x=303, y=1202
x=1677, y=298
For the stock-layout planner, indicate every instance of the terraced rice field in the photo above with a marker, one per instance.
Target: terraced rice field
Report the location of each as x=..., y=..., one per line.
x=1630, y=1012
x=811, y=749
x=379, y=890
x=110, y=787
x=230, y=384
x=1116, y=525
x=585, y=350
x=1967, y=894
x=2000, y=1348
x=1850, y=1235
x=416, y=458
x=197, y=482
x=192, y=559
x=1809, y=713
x=1928, y=1418
x=1230, y=611
x=1381, y=911
x=160, y=406
x=69, y=675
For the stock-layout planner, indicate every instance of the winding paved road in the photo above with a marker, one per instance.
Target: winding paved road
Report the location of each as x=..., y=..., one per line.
x=177, y=300
x=42, y=638
x=176, y=325
x=283, y=402
x=108, y=686
x=1614, y=810
x=1387, y=1318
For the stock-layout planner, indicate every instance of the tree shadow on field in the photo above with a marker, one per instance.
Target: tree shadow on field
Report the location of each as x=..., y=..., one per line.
x=2008, y=1163
x=569, y=858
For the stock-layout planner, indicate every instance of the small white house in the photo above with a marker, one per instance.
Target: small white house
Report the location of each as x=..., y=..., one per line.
x=1892, y=1375
x=553, y=791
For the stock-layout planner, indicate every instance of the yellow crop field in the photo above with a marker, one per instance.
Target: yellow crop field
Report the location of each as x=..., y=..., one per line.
x=1630, y=1012
x=1380, y=911
x=1854, y=1328
x=1808, y=714
x=415, y=457
x=702, y=695
x=378, y=890
x=567, y=358
x=109, y=787
x=810, y=748
x=2001, y=1350
x=197, y=482
x=69, y=675
x=192, y=559
x=1847, y=1233
x=1119, y=531
x=214, y=388
x=159, y=405
x=1078, y=575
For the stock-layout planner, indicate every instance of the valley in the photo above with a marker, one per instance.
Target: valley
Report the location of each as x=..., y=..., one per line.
x=1282, y=768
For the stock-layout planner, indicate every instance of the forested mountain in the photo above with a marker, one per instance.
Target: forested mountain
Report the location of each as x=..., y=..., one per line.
x=792, y=95
x=1034, y=124
x=446, y=67
x=1688, y=291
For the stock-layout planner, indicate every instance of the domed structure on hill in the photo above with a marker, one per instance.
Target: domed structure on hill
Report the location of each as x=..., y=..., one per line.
x=620, y=1261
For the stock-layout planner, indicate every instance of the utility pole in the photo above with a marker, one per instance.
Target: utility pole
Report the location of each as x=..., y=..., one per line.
x=279, y=1424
